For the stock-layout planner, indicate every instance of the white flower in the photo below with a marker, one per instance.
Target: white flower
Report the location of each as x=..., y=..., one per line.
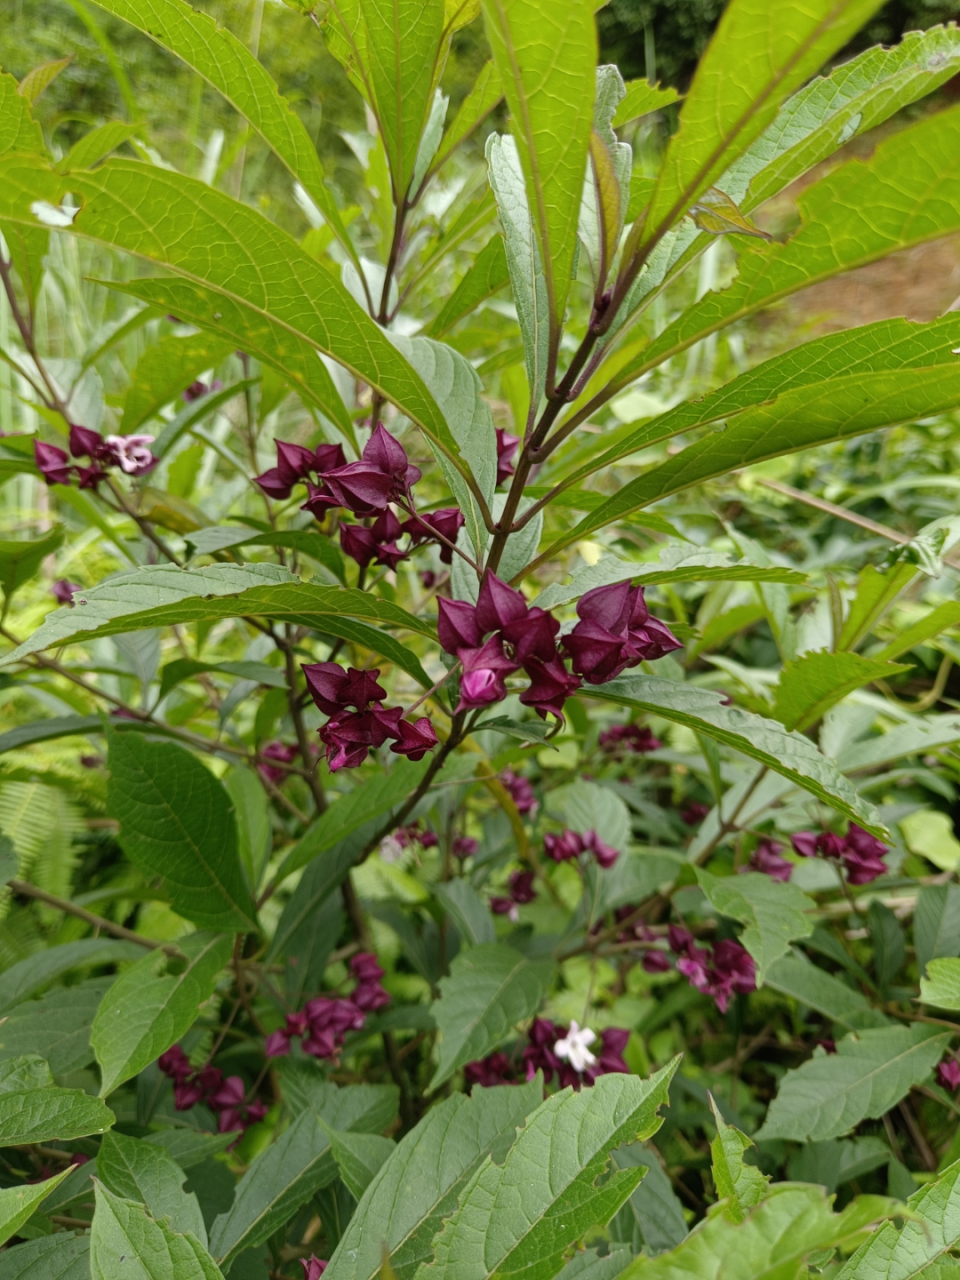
x=390, y=849
x=132, y=452
x=575, y=1047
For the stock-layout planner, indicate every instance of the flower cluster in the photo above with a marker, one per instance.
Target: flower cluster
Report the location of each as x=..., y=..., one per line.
x=520, y=890
x=322, y=1023
x=495, y=638
x=632, y=738
x=569, y=845
x=554, y=1050
x=718, y=971
x=275, y=751
x=392, y=846
x=130, y=453
x=225, y=1096
x=464, y=846
x=520, y=791
x=615, y=631
x=859, y=851
x=767, y=858
x=349, y=735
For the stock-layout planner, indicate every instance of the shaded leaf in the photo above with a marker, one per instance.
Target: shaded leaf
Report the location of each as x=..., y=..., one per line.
x=58, y=1257
x=941, y=986
x=652, y=1218
x=29, y=976
x=359, y=1156
x=820, y=990
x=144, y=1172
x=476, y=106
x=316, y=545
x=813, y=683
x=97, y=144
x=18, y=1203
x=126, y=1241
x=936, y=923
x=743, y=1186
x=488, y=275
x=41, y=77
x=467, y=909
x=57, y=1026
x=19, y=561
x=50, y=1115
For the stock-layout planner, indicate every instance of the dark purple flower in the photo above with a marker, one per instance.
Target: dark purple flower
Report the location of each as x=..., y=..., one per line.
x=186, y=1095
x=563, y=847
x=349, y=736
x=539, y=1055
x=457, y=625
x=732, y=969
x=230, y=1121
x=275, y=751
x=550, y=686
x=85, y=443
x=229, y=1094
x=313, y=1267
x=948, y=1074
x=484, y=672
x=694, y=813
x=379, y=542
x=52, y=463
x=498, y=605
x=613, y=1041
x=520, y=790
x=416, y=738
x=605, y=854
x=383, y=474
x=277, y=1044
x=506, y=448
x=175, y=1064
x=464, y=846
x=198, y=389
x=504, y=907
x=521, y=887
x=828, y=1046
x=863, y=856
x=655, y=961
x=766, y=858
x=326, y=682
x=90, y=477
x=439, y=526
x=629, y=737
x=493, y=1070
x=319, y=500
x=256, y=1111
x=63, y=590
x=615, y=631
x=534, y=635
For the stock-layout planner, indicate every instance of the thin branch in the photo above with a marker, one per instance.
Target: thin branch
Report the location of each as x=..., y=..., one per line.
x=98, y=922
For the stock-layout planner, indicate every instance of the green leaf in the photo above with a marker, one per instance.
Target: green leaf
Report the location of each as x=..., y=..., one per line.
x=468, y=911
x=819, y=990
x=226, y=63
x=359, y=1156
x=641, y=98
x=49, y=1115
x=165, y=369
x=589, y=1265
x=937, y=620
x=186, y=668
x=774, y=913
x=252, y=815
x=152, y=1004
x=57, y=1026
x=488, y=991
x=18, y=1203
x=488, y=275
x=775, y=50
x=789, y=754
x=546, y=57
x=876, y=591
x=933, y=1229
x=316, y=545
x=57, y=1257
x=870, y=1072
x=652, y=1219
x=941, y=986
x=197, y=232
x=126, y=1241
x=916, y=737
x=832, y=1163
x=143, y=1172
x=277, y=1183
x=248, y=329
x=524, y=263
x=354, y=1108
x=97, y=145
x=28, y=1072
x=936, y=923
x=187, y=1147
x=509, y=1217
x=743, y=1186
x=676, y=564
x=476, y=106
x=374, y=797
x=322, y=877
x=176, y=822
x=39, y=78
x=19, y=561
x=775, y=1238
x=18, y=129
x=163, y=595
x=813, y=683
x=439, y=1157
x=29, y=976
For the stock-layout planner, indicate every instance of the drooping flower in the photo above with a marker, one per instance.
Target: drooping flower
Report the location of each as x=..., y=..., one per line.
x=563, y=847
x=609, y=1059
x=198, y=389
x=550, y=686
x=948, y=1074
x=441, y=527
x=275, y=751
x=860, y=852
x=313, y=1267
x=615, y=631
x=383, y=475
x=692, y=814
x=368, y=994
x=521, y=891
x=725, y=968
x=484, y=672
x=417, y=737
x=521, y=792
x=492, y=1070
x=63, y=590
x=296, y=464
x=464, y=846
x=52, y=463
x=378, y=543
x=766, y=858
x=506, y=448
x=629, y=737
x=349, y=735
x=605, y=854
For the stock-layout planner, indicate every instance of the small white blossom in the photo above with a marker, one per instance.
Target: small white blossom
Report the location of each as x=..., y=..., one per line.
x=133, y=452
x=574, y=1048
x=390, y=849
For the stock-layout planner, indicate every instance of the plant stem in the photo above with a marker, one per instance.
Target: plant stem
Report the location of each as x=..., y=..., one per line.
x=27, y=890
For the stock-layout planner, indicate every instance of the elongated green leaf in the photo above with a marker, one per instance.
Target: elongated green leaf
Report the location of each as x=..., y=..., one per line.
x=359, y=1156
x=870, y=1072
x=229, y=66
x=322, y=877
x=742, y=1185
x=590, y=1265
x=141, y=1171
x=162, y=595
x=774, y=913
x=773, y=49
x=438, y=1157
x=488, y=991
x=468, y=910
x=641, y=98
x=546, y=57
x=937, y=620
x=280, y=1180
x=176, y=821
x=197, y=232
x=165, y=369
x=50, y=1114
x=820, y=990
x=910, y=186
x=247, y=328
x=126, y=1241
x=508, y=1217
x=185, y=668
x=936, y=923
x=354, y=1108
x=29, y=976
x=57, y=1026
x=836, y=410
x=914, y=738
x=39, y=78
x=18, y=1203
x=676, y=564
x=151, y=1005
x=18, y=129
x=892, y=1254
x=774, y=1239
x=652, y=1219
x=476, y=106
x=487, y=276
x=97, y=144
x=188, y=1147
x=941, y=986
x=19, y=561
x=316, y=545
x=59, y=1257
x=789, y=754
x=524, y=260
x=813, y=683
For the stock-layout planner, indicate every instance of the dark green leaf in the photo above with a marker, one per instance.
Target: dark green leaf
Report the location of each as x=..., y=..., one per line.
x=124, y=1233
x=19, y=561
x=936, y=923
x=29, y=976
x=652, y=1219
x=820, y=990
x=774, y=913
x=316, y=545
x=467, y=909
x=59, y=1257
x=359, y=1156
x=487, y=276
x=49, y=1115
x=57, y=1026
x=144, y=1172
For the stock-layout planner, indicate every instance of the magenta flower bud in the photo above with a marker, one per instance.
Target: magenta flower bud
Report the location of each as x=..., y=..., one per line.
x=503, y=907
x=629, y=737
x=230, y=1121
x=416, y=738
x=464, y=846
x=490, y=1071
x=521, y=887
x=273, y=485
x=62, y=590
x=520, y=791
x=186, y=1095
x=805, y=843
x=175, y=1063
x=506, y=448
x=319, y=500
x=440, y=526
x=387, y=453
x=605, y=854
x=484, y=672
x=295, y=462
x=563, y=847
x=766, y=858
x=52, y=463
x=862, y=855
x=85, y=443
x=655, y=961
x=361, y=689
x=297, y=1023
x=680, y=940
x=360, y=487
x=256, y=1111
x=498, y=605
x=948, y=1074
x=90, y=477
x=230, y=1093
x=195, y=391
x=365, y=967
x=275, y=751
x=693, y=814
x=457, y=625
x=550, y=686
x=326, y=682
x=313, y=1267
x=533, y=636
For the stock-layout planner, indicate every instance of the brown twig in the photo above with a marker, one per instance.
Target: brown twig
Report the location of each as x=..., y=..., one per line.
x=27, y=890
